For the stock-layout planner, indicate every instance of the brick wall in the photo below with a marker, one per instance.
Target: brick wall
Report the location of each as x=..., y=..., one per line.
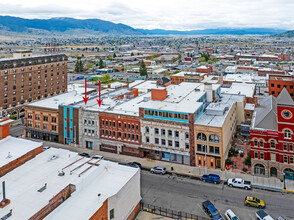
x=192, y=139
x=158, y=94
x=101, y=213
x=54, y=202
x=19, y=161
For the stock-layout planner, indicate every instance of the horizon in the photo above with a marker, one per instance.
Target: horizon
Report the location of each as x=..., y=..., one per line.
x=168, y=15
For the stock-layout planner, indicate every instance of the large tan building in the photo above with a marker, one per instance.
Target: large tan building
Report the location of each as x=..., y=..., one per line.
x=25, y=78
x=214, y=130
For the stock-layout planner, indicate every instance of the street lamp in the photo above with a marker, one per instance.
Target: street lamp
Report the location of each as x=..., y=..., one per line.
x=284, y=177
x=205, y=146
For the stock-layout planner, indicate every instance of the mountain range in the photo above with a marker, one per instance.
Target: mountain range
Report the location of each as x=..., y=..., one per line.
x=98, y=26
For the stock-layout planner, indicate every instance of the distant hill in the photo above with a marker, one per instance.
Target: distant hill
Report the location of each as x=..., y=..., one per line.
x=15, y=24
x=220, y=31
x=83, y=27
x=285, y=34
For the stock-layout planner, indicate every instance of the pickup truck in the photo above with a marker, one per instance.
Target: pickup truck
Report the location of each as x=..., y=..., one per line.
x=262, y=215
x=239, y=183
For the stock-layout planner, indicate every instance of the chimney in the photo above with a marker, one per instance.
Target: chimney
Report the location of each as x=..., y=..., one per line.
x=5, y=201
x=159, y=94
x=4, y=127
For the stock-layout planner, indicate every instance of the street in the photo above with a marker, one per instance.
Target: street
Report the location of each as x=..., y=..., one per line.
x=187, y=195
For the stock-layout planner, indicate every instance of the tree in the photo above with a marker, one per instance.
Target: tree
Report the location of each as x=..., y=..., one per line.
x=132, y=54
x=109, y=57
x=143, y=69
x=89, y=66
x=247, y=160
x=174, y=59
x=206, y=56
x=180, y=57
x=114, y=55
x=101, y=64
x=79, y=66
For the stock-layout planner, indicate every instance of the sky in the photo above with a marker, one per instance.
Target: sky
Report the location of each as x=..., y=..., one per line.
x=163, y=14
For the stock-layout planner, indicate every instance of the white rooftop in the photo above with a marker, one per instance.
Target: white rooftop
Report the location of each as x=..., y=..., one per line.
x=241, y=89
x=12, y=148
x=22, y=185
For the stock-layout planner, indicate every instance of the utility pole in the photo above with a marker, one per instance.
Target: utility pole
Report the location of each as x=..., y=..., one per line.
x=75, y=131
x=205, y=146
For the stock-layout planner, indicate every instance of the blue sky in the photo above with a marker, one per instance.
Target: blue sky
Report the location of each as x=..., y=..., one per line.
x=165, y=14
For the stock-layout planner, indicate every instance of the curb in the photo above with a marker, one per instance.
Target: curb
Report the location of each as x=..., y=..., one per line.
x=267, y=188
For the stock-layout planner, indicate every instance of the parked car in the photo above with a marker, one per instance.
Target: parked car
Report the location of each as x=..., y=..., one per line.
x=281, y=218
x=97, y=157
x=211, y=178
x=158, y=170
x=239, y=183
x=132, y=164
x=262, y=215
x=254, y=202
x=210, y=210
x=84, y=155
x=230, y=215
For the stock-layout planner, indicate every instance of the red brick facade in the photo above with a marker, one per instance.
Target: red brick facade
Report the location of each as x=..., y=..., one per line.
x=276, y=83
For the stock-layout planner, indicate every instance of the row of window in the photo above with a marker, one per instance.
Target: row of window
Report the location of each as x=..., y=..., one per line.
x=89, y=122
x=212, y=137
x=279, y=86
x=120, y=135
x=126, y=126
x=30, y=74
x=166, y=114
x=45, y=126
x=286, y=146
x=163, y=132
x=168, y=143
x=38, y=117
x=273, y=157
x=203, y=148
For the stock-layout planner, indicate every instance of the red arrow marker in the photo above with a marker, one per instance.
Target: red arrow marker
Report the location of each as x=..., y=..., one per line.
x=99, y=100
x=85, y=98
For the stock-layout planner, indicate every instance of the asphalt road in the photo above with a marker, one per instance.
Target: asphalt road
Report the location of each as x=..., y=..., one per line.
x=17, y=130
x=187, y=195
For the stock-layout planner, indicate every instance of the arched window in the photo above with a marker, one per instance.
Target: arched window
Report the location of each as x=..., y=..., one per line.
x=255, y=142
x=261, y=143
x=201, y=137
x=273, y=144
x=287, y=133
x=213, y=138
x=216, y=139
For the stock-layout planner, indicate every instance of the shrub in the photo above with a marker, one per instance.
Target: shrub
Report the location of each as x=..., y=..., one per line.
x=242, y=155
x=233, y=152
x=247, y=160
x=229, y=161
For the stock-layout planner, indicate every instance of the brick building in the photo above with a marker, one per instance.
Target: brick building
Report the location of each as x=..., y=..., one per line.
x=269, y=71
x=271, y=137
x=276, y=83
x=25, y=78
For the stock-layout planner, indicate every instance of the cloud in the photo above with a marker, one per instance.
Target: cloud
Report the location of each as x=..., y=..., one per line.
x=166, y=14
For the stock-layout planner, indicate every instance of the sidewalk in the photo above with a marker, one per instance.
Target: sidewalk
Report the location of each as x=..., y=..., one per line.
x=179, y=169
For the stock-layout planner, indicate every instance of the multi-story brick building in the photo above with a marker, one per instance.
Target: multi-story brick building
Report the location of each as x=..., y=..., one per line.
x=277, y=83
x=272, y=137
x=269, y=71
x=25, y=78
x=187, y=77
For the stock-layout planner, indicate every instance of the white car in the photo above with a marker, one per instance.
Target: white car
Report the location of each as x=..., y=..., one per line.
x=239, y=183
x=230, y=215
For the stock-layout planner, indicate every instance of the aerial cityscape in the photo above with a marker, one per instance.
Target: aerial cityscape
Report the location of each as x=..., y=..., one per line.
x=154, y=110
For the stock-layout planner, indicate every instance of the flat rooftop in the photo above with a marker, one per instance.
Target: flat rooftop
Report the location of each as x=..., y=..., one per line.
x=240, y=89
x=22, y=184
x=12, y=148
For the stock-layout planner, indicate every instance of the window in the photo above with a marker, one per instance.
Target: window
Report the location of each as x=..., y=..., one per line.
x=287, y=133
x=170, y=143
x=170, y=133
x=279, y=86
x=285, y=146
x=186, y=135
x=201, y=137
x=261, y=143
x=256, y=155
x=156, y=130
x=187, y=146
x=53, y=127
x=137, y=127
x=102, y=122
x=111, y=213
x=30, y=116
x=273, y=144
x=163, y=142
x=37, y=125
x=177, y=144
x=291, y=159
x=129, y=126
x=147, y=139
x=54, y=119
x=45, y=126
x=261, y=156
x=119, y=134
x=285, y=159
x=156, y=141
x=216, y=150
x=199, y=147
x=176, y=134
x=290, y=147
x=162, y=131
x=119, y=125
x=37, y=117
x=211, y=149
x=147, y=129
x=255, y=142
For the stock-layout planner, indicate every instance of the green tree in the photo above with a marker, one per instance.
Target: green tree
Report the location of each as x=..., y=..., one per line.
x=174, y=59
x=180, y=57
x=132, y=54
x=143, y=69
x=114, y=55
x=109, y=57
x=101, y=64
x=79, y=66
x=247, y=160
x=89, y=66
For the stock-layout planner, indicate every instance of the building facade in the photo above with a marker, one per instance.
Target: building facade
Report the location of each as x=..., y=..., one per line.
x=272, y=137
x=25, y=78
x=276, y=83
